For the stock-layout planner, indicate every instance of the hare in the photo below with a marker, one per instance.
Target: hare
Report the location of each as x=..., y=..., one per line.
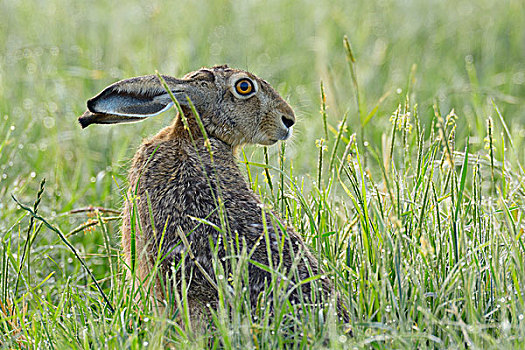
x=177, y=176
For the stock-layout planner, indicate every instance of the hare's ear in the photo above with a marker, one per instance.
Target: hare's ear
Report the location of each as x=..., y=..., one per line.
x=133, y=100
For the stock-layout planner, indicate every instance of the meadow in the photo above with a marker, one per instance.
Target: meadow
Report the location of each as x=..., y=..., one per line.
x=405, y=175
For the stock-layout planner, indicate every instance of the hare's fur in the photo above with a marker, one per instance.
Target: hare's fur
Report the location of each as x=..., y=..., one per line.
x=175, y=179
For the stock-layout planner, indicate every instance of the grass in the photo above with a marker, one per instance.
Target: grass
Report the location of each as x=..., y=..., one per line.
x=406, y=175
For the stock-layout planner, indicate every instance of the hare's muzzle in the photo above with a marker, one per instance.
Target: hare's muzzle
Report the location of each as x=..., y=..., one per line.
x=288, y=121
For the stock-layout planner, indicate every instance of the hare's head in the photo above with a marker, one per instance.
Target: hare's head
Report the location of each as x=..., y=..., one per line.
x=234, y=105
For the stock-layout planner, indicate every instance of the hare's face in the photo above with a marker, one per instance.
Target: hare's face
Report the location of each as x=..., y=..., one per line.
x=234, y=105
x=246, y=109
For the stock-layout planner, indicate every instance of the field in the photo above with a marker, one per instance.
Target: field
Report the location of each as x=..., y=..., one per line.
x=405, y=175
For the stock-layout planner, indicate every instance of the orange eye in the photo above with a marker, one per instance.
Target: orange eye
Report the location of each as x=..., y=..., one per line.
x=244, y=87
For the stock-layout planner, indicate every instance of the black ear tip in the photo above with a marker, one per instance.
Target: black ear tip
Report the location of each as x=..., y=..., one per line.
x=83, y=122
x=85, y=119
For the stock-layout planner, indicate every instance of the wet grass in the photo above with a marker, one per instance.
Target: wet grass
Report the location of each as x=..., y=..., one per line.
x=405, y=175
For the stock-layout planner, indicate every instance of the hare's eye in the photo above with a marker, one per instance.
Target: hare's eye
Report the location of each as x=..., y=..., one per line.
x=244, y=87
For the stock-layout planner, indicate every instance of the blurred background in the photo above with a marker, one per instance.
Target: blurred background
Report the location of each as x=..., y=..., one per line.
x=56, y=54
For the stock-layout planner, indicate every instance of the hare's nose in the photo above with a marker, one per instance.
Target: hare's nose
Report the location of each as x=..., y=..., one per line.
x=287, y=121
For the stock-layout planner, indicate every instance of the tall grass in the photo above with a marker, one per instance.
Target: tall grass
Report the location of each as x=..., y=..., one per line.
x=408, y=184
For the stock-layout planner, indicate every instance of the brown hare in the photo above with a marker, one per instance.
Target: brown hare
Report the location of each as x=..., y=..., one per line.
x=175, y=179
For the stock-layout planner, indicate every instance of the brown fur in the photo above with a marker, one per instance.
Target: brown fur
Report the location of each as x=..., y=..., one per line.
x=175, y=173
